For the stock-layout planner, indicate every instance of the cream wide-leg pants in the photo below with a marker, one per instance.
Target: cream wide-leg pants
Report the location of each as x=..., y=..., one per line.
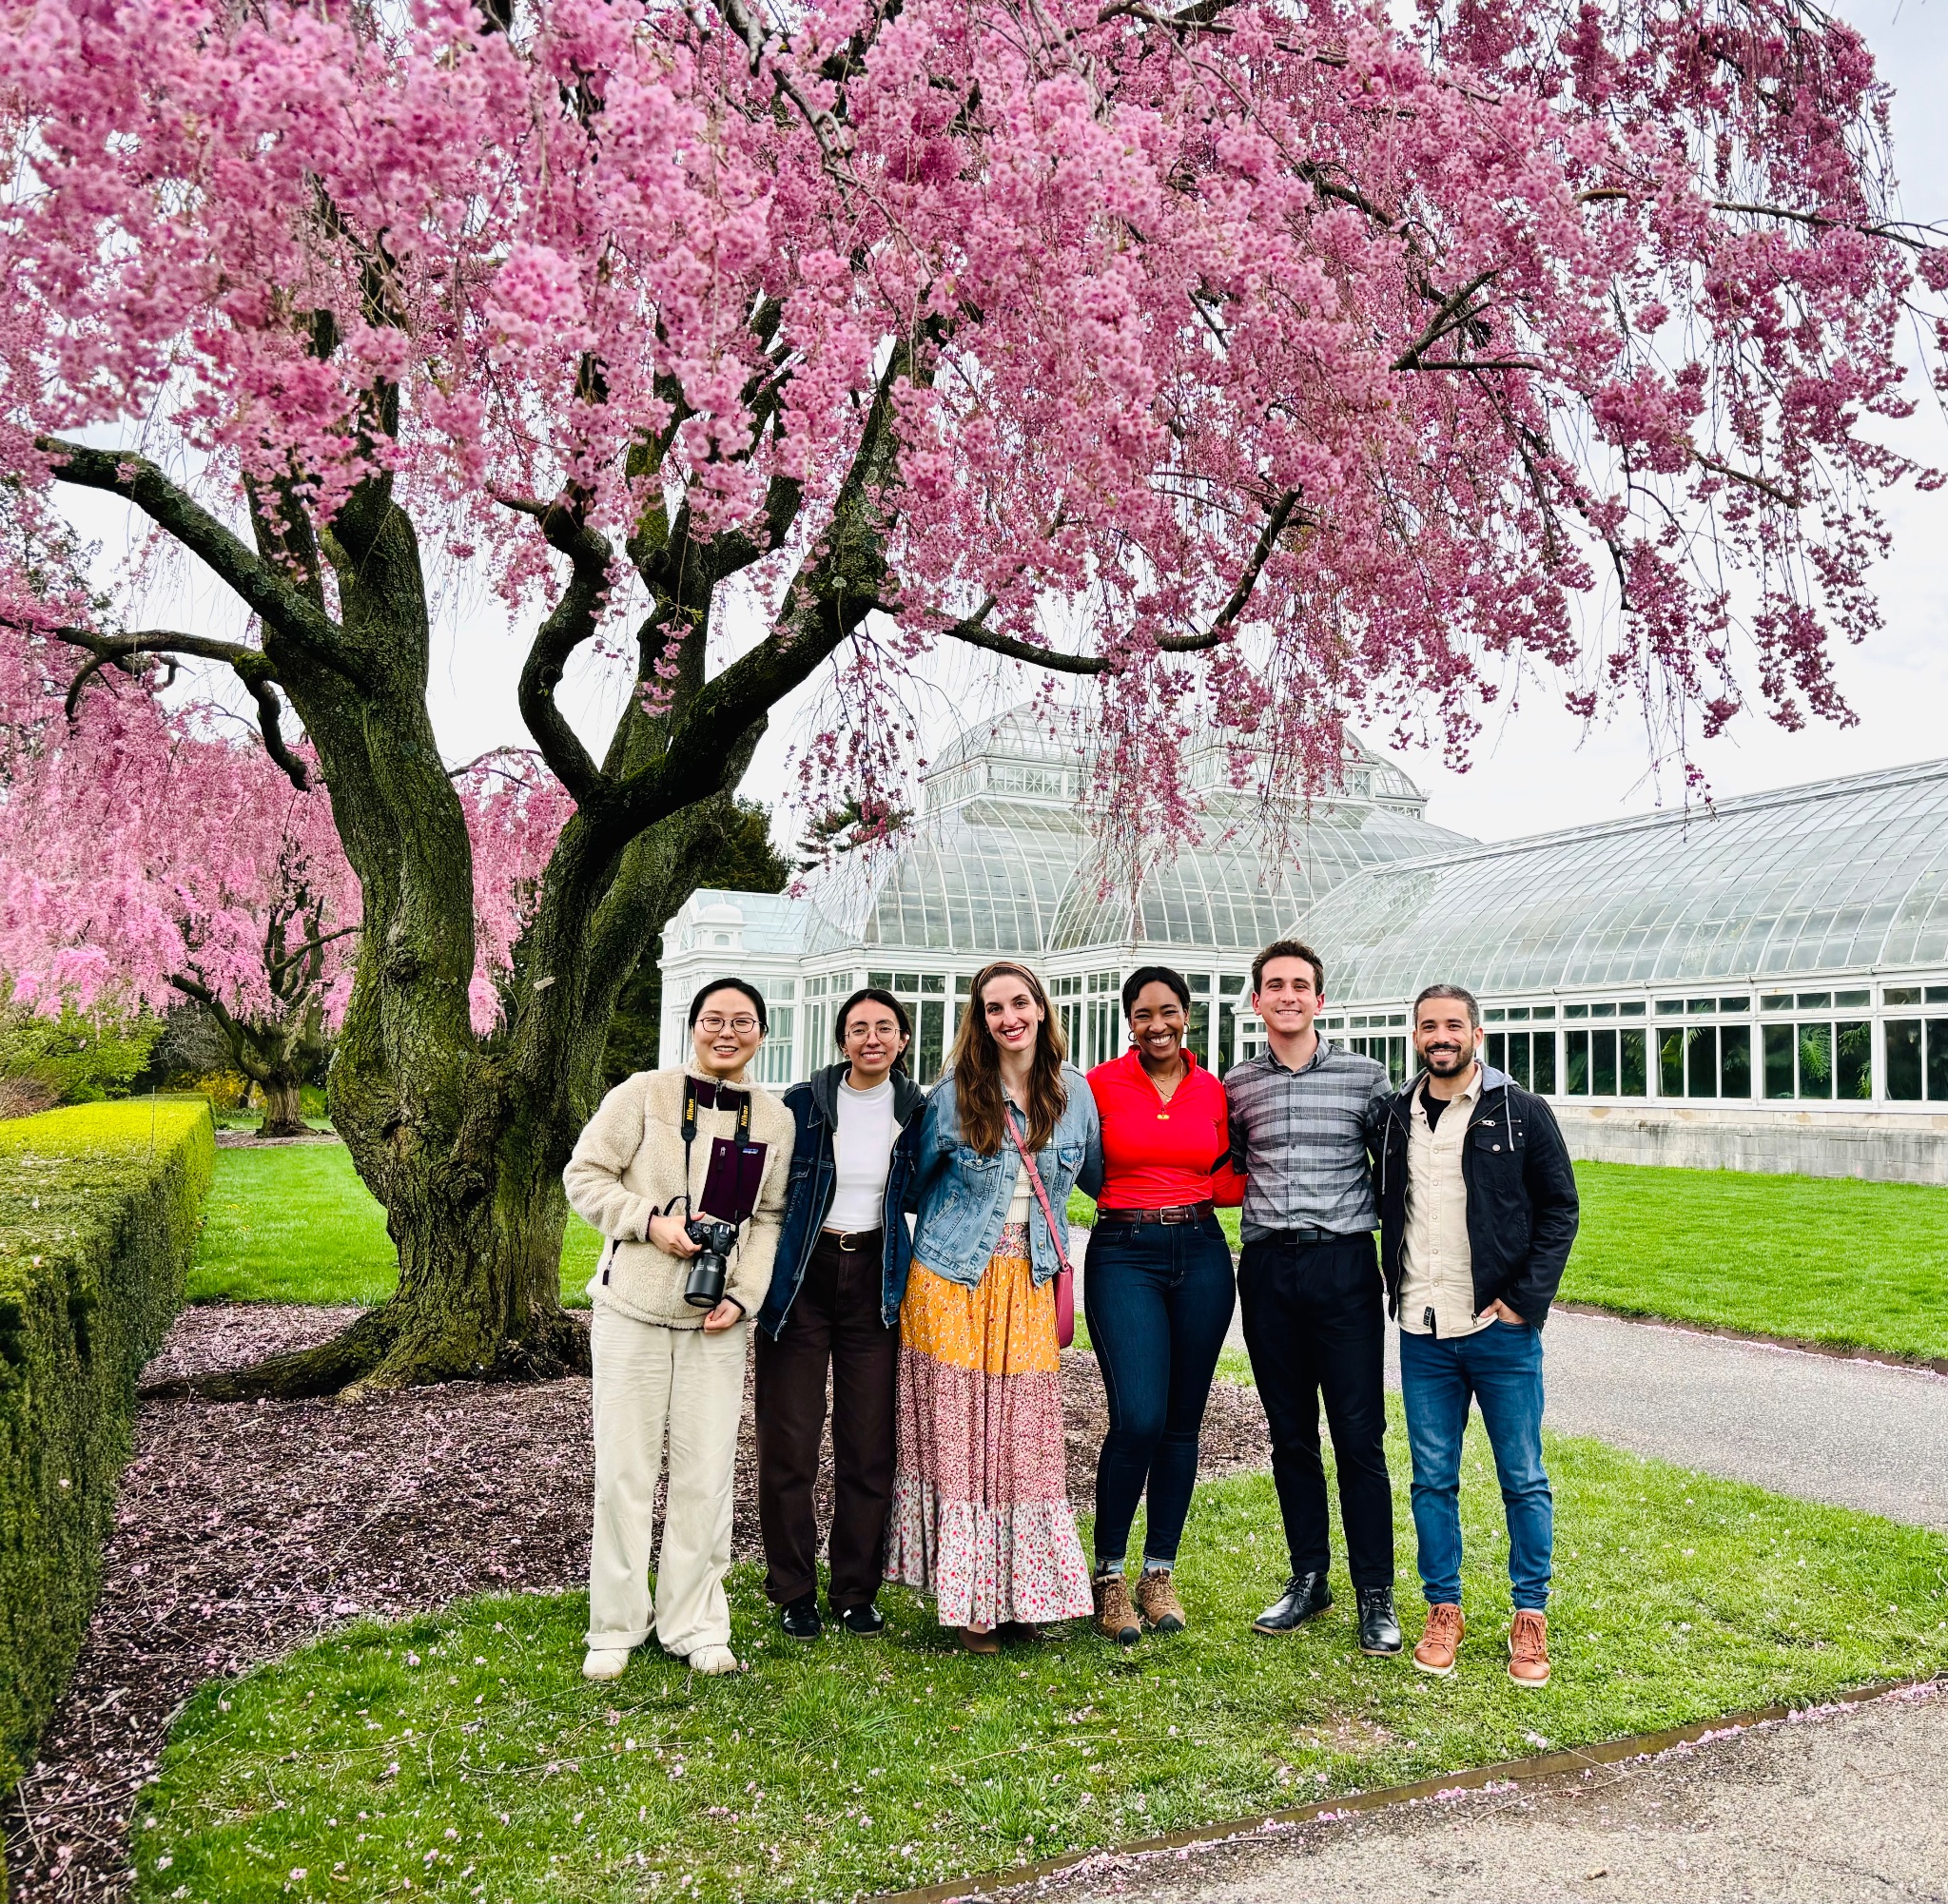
x=647, y=1379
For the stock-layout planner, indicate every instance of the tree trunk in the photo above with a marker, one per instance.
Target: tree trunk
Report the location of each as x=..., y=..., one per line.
x=478, y=1299
x=284, y=1106
x=462, y=1138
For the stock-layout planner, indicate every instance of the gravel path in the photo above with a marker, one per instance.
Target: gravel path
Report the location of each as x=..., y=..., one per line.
x=1839, y=1805
x=244, y=1528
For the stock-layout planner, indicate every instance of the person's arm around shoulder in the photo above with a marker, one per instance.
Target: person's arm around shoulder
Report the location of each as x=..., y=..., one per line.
x=1239, y=1135
x=1555, y=1209
x=751, y=1281
x=1227, y=1176
x=929, y=1157
x=606, y=1147
x=1083, y=1095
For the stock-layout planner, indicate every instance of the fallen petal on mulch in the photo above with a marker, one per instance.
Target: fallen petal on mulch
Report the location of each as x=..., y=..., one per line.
x=246, y=1528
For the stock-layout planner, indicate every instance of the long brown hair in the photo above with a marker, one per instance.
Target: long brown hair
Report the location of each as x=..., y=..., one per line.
x=977, y=1068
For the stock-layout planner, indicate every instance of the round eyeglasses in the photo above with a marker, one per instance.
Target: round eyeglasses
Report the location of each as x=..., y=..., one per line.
x=710, y=1023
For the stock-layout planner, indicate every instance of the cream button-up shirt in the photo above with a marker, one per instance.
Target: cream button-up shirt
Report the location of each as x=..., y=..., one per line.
x=1436, y=1265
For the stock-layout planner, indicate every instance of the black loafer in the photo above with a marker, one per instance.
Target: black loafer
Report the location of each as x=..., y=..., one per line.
x=1305, y=1595
x=868, y=1621
x=799, y=1617
x=1379, y=1631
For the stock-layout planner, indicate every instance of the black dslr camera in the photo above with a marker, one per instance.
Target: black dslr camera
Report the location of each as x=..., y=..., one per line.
x=703, y=1287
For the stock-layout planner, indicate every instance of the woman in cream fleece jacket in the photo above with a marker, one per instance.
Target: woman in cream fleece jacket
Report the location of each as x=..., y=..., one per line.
x=658, y=1363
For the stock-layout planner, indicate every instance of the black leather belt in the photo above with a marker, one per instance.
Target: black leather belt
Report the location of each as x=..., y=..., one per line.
x=1306, y=1235
x=1176, y=1212
x=849, y=1242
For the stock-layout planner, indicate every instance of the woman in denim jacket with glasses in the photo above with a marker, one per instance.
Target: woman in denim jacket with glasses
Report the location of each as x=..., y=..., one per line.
x=980, y=1514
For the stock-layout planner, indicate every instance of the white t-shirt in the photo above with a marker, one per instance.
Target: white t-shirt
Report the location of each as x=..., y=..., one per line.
x=861, y=1156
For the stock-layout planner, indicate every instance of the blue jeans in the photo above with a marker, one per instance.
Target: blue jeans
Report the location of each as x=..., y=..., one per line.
x=1500, y=1367
x=1157, y=1298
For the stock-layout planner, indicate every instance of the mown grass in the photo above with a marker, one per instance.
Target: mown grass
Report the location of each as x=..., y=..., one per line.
x=1818, y=1259
x=459, y=1755
x=1826, y=1259
x=292, y=1223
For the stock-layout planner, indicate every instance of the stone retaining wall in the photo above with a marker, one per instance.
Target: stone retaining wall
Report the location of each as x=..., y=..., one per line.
x=1887, y=1146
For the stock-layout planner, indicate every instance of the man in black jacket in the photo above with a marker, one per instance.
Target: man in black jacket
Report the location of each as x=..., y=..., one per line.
x=1478, y=1209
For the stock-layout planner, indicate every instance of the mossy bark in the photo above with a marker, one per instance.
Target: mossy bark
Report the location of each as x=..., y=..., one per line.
x=462, y=1138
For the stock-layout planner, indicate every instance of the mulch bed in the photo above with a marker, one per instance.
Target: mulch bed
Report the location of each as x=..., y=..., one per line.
x=246, y=1528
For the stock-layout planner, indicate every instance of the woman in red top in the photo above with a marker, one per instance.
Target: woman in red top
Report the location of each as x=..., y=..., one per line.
x=1157, y=1289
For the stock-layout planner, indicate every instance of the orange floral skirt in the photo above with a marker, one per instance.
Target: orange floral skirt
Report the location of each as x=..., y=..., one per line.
x=980, y=1516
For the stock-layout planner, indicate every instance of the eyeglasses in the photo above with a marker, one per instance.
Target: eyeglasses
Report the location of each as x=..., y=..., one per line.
x=713, y=1022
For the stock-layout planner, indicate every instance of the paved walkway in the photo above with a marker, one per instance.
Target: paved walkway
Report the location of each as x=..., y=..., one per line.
x=1859, y=1434
x=1826, y=1809
x=1840, y=1806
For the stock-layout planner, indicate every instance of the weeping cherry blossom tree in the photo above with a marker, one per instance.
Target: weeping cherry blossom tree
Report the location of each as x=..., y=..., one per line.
x=1275, y=361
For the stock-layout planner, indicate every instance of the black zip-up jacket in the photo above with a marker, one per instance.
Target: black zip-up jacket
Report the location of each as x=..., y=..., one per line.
x=1522, y=1208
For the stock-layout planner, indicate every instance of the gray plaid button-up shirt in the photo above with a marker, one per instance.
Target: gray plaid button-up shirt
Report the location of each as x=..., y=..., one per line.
x=1300, y=1137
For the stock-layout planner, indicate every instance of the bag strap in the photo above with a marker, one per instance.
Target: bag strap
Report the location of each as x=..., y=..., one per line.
x=1061, y=1256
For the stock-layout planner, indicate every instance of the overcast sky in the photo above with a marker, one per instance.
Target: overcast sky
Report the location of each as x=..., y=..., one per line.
x=1533, y=767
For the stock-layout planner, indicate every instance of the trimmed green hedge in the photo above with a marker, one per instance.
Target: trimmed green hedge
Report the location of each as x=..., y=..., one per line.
x=99, y=1210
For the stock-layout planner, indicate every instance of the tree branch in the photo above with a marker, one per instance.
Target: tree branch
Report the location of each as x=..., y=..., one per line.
x=275, y=969
x=1453, y=314
x=973, y=629
x=575, y=618
x=251, y=665
x=282, y=602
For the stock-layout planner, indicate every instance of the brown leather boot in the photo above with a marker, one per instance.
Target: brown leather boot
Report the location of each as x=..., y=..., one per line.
x=1115, y=1619
x=1529, y=1649
x=1156, y=1601
x=1440, y=1641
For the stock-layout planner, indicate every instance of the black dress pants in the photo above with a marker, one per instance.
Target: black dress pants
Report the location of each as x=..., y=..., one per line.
x=1315, y=1325
x=834, y=1324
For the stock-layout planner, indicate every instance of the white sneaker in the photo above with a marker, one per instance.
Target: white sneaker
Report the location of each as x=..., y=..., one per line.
x=714, y=1660
x=606, y=1662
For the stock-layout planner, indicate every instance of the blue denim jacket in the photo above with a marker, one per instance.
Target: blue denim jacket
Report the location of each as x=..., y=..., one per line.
x=814, y=1178
x=962, y=1197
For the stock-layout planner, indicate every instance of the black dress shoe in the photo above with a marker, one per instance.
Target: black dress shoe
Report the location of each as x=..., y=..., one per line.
x=1379, y=1631
x=799, y=1617
x=1305, y=1595
x=868, y=1621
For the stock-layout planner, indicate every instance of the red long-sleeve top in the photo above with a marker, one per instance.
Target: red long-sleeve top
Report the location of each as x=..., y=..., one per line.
x=1157, y=1153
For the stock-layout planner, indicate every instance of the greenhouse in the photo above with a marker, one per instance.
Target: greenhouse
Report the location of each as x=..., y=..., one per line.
x=1001, y=861
x=1785, y=950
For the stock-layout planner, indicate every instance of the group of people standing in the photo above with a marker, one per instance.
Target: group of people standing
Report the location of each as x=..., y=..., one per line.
x=908, y=1251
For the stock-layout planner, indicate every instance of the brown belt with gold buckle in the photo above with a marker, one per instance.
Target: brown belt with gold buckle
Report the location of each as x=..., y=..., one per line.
x=1176, y=1212
x=849, y=1242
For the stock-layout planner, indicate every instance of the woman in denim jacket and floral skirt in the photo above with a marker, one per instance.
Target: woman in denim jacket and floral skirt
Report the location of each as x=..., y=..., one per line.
x=980, y=1512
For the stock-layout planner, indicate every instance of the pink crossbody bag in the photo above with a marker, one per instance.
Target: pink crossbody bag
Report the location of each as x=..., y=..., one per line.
x=1065, y=1270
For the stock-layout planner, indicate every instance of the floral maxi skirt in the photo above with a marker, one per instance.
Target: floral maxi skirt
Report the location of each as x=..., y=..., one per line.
x=980, y=1516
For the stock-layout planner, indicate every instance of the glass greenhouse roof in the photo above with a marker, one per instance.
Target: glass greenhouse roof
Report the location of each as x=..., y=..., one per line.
x=1010, y=877
x=1843, y=874
x=1002, y=859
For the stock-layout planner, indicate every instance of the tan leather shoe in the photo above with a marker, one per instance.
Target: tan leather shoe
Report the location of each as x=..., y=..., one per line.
x=1115, y=1619
x=1440, y=1641
x=1529, y=1649
x=1158, y=1602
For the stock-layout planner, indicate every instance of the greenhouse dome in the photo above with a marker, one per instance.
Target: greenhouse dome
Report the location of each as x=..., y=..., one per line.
x=1000, y=861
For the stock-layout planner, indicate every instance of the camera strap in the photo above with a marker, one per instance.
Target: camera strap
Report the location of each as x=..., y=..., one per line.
x=688, y=1128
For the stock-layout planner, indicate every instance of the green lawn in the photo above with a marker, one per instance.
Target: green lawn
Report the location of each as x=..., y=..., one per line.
x=459, y=1755
x=1827, y=1259
x=1823, y=1259
x=292, y=1223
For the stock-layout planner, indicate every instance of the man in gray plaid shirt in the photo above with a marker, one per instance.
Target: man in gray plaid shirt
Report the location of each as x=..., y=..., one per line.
x=1309, y=1284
